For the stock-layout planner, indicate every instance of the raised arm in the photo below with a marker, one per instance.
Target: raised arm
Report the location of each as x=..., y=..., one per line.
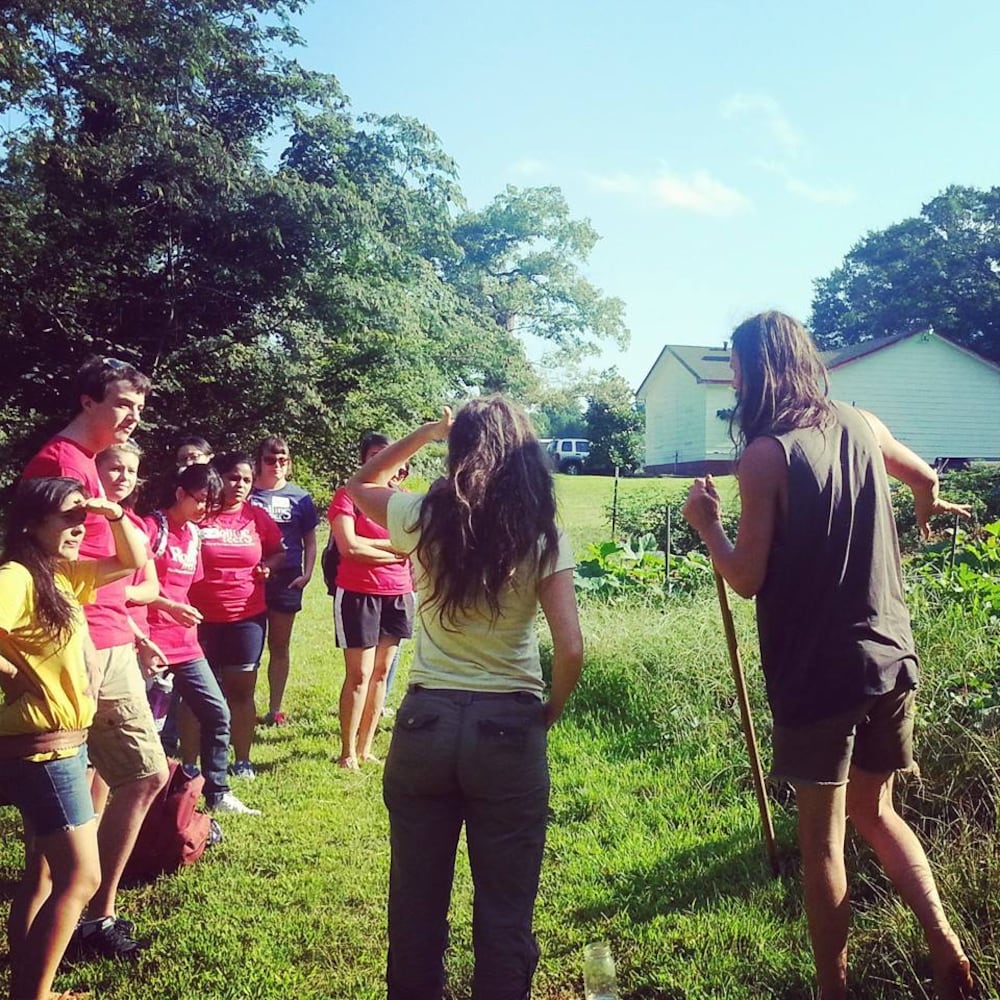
x=130, y=543
x=908, y=467
x=367, y=487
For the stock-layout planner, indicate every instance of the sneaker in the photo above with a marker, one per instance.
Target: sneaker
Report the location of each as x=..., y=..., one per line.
x=243, y=769
x=230, y=804
x=275, y=719
x=214, y=832
x=103, y=939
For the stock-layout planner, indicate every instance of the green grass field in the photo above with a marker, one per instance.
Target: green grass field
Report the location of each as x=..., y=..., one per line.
x=653, y=844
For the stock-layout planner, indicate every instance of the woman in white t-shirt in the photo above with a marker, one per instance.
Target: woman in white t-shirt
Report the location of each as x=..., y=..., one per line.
x=469, y=745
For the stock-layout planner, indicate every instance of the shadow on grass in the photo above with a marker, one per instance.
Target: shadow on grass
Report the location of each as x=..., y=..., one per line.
x=696, y=878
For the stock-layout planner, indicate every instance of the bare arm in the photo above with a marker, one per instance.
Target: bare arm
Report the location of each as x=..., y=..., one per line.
x=184, y=614
x=558, y=600
x=351, y=545
x=130, y=543
x=367, y=487
x=151, y=658
x=909, y=468
x=148, y=590
x=763, y=484
x=308, y=561
x=14, y=682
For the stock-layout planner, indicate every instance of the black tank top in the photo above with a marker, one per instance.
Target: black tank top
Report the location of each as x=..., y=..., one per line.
x=832, y=621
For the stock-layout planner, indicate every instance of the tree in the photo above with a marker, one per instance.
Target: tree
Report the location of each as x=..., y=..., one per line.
x=614, y=425
x=520, y=262
x=328, y=293
x=940, y=269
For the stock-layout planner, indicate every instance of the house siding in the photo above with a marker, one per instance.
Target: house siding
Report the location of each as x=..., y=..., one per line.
x=675, y=415
x=934, y=397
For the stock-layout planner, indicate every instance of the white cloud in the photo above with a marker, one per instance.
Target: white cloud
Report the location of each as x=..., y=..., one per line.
x=767, y=109
x=528, y=166
x=616, y=184
x=820, y=194
x=699, y=193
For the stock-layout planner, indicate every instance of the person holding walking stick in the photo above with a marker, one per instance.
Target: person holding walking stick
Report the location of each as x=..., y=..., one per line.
x=817, y=546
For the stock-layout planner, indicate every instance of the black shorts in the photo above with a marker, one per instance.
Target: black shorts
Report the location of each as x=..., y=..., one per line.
x=278, y=595
x=362, y=620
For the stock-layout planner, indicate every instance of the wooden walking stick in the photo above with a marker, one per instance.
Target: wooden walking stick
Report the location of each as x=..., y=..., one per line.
x=747, y=720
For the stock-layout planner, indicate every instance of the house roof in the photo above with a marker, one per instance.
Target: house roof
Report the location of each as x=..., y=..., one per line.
x=711, y=364
x=706, y=364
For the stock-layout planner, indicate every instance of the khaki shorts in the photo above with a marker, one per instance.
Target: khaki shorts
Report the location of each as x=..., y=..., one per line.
x=123, y=743
x=876, y=736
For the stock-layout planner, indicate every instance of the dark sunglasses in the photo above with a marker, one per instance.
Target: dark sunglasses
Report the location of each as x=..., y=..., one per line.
x=276, y=460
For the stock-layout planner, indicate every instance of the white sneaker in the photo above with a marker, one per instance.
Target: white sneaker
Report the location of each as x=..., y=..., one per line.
x=230, y=804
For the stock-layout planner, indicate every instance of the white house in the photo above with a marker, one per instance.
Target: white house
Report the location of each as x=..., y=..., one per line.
x=941, y=400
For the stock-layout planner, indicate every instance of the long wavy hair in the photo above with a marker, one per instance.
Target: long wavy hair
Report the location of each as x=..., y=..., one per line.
x=33, y=502
x=493, y=514
x=783, y=382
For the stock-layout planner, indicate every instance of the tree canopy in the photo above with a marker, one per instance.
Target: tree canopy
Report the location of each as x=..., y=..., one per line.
x=940, y=269
x=178, y=191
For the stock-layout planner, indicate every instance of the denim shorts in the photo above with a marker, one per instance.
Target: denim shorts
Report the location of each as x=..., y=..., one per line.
x=279, y=596
x=233, y=646
x=52, y=795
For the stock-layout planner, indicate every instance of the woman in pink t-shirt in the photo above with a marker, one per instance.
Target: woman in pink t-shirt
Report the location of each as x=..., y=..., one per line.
x=173, y=626
x=240, y=545
x=372, y=611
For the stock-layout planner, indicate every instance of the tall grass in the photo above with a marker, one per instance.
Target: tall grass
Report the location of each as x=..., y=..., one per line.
x=653, y=843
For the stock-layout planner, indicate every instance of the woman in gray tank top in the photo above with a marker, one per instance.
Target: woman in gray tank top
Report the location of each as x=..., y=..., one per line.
x=817, y=547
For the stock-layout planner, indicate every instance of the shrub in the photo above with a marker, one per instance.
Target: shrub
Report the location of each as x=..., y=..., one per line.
x=641, y=514
x=636, y=568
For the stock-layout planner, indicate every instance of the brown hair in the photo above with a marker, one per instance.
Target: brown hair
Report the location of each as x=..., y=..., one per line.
x=783, y=382
x=491, y=515
x=33, y=502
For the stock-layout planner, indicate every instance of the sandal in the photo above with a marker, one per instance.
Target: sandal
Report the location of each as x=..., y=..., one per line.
x=370, y=758
x=348, y=764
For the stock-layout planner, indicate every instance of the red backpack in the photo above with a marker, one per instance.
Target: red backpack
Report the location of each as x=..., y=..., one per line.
x=174, y=833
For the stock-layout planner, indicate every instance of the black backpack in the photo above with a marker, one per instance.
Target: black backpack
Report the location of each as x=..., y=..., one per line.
x=329, y=561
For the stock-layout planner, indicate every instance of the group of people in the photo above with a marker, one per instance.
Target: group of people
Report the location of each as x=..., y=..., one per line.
x=231, y=549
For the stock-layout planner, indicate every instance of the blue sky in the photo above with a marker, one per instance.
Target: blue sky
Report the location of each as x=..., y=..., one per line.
x=728, y=153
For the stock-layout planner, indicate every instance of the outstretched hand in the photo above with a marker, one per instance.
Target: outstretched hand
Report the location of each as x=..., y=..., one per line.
x=924, y=510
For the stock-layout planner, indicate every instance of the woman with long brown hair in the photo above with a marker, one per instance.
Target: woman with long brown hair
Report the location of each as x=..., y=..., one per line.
x=469, y=745
x=48, y=707
x=817, y=547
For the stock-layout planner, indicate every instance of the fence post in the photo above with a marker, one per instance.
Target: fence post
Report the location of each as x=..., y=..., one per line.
x=614, y=508
x=666, y=556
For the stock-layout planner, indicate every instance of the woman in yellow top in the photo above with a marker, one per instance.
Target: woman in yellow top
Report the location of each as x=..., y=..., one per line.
x=47, y=708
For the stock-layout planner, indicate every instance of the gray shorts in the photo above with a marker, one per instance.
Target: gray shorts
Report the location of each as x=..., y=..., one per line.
x=876, y=735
